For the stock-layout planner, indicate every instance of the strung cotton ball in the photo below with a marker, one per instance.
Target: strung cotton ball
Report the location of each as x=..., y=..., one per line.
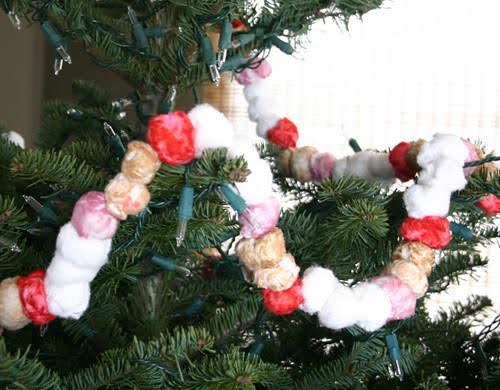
x=264, y=123
x=89, y=253
x=403, y=300
x=16, y=139
x=68, y=300
x=125, y=198
x=264, y=252
x=322, y=166
x=473, y=155
x=442, y=146
x=257, y=89
x=490, y=170
x=12, y=316
x=317, y=285
x=212, y=128
x=172, y=137
x=284, y=162
x=285, y=301
x=91, y=219
x=412, y=153
x=410, y=274
x=280, y=277
x=259, y=219
x=421, y=201
x=299, y=163
x=374, y=306
x=417, y=253
x=64, y=271
x=259, y=69
x=33, y=297
x=284, y=134
x=447, y=174
x=431, y=231
x=489, y=204
x=367, y=164
x=140, y=163
x=259, y=184
x=398, y=157
x=341, y=308
x=261, y=108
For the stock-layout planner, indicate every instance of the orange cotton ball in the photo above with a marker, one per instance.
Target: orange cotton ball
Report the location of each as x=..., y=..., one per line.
x=140, y=163
x=284, y=162
x=417, y=253
x=263, y=252
x=412, y=153
x=280, y=277
x=12, y=316
x=299, y=163
x=410, y=274
x=124, y=197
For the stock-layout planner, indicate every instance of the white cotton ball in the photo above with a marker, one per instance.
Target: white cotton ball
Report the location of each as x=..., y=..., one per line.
x=261, y=108
x=83, y=252
x=374, y=306
x=445, y=173
x=68, y=300
x=212, y=128
x=265, y=123
x=15, y=138
x=367, y=164
x=317, y=285
x=62, y=271
x=259, y=184
x=257, y=90
x=422, y=201
x=380, y=165
x=442, y=145
x=340, y=310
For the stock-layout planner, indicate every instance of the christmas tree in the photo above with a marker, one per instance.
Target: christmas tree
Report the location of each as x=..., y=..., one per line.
x=176, y=298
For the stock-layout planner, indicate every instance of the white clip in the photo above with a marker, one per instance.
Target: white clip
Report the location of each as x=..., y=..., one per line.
x=14, y=19
x=10, y=245
x=171, y=94
x=221, y=58
x=58, y=64
x=63, y=54
x=214, y=74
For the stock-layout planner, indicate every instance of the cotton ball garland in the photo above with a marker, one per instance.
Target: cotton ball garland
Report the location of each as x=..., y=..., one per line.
x=212, y=128
x=68, y=300
x=341, y=308
x=280, y=277
x=442, y=146
x=172, y=137
x=431, y=231
x=417, y=253
x=489, y=204
x=125, y=198
x=373, y=304
x=284, y=162
x=317, y=285
x=322, y=166
x=64, y=271
x=422, y=201
x=366, y=164
x=259, y=219
x=285, y=301
x=284, y=133
x=91, y=219
x=264, y=252
x=473, y=155
x=410, y=274
x=299, y=164
x=412, y=153
x=403, y=300
x=12, y=316
x=140, y=163
x=264, y=123
x=34, y=297
x=398, y=158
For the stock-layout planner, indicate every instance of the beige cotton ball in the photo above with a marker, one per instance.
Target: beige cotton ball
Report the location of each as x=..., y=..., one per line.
x=413, y=151
x=124, y=197
x=299, y=164
x=284, y=162
x=417, y=253
x=140, y=163
x=263, y=252
x=280, y=277
x=11, y=309
x=410, y=274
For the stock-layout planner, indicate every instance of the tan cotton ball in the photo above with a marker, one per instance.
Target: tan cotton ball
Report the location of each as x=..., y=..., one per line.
x=280, y=277
x=410, y=274
x=284, y=162
x=413, y=151
x=11, y=309
x=140, y=163
x=417, y=253
x=490, y=169
x=299, y=163
x=263, y=252
x=124, y=197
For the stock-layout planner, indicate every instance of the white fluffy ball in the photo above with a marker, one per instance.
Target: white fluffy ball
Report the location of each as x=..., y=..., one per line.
x=421, y=201
x=317, y=285
x=340, y=310
x=373, y=304
x=68, y=300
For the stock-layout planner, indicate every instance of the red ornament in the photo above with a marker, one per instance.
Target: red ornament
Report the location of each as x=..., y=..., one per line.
x=431, y=231
x=172, y=136
x=34, y=298
x=285, y=301
x=489, y=204
x=284, y=134
x=397, y=158
x=238, y=25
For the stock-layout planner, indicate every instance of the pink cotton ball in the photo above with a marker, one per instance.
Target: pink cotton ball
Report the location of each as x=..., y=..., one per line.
x=472, y=156
x=246, y=77
x=91, y=219
x=321, y=166
x=261, y=218
x=403, y=300
x=264, y=69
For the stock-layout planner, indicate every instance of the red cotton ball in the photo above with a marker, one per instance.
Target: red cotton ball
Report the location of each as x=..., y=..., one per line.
x=34, y=297
x=285, y=301
x=397, y=158
x=284, y=134
x=431, y=231
x=489, y=204
x=172, y=137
